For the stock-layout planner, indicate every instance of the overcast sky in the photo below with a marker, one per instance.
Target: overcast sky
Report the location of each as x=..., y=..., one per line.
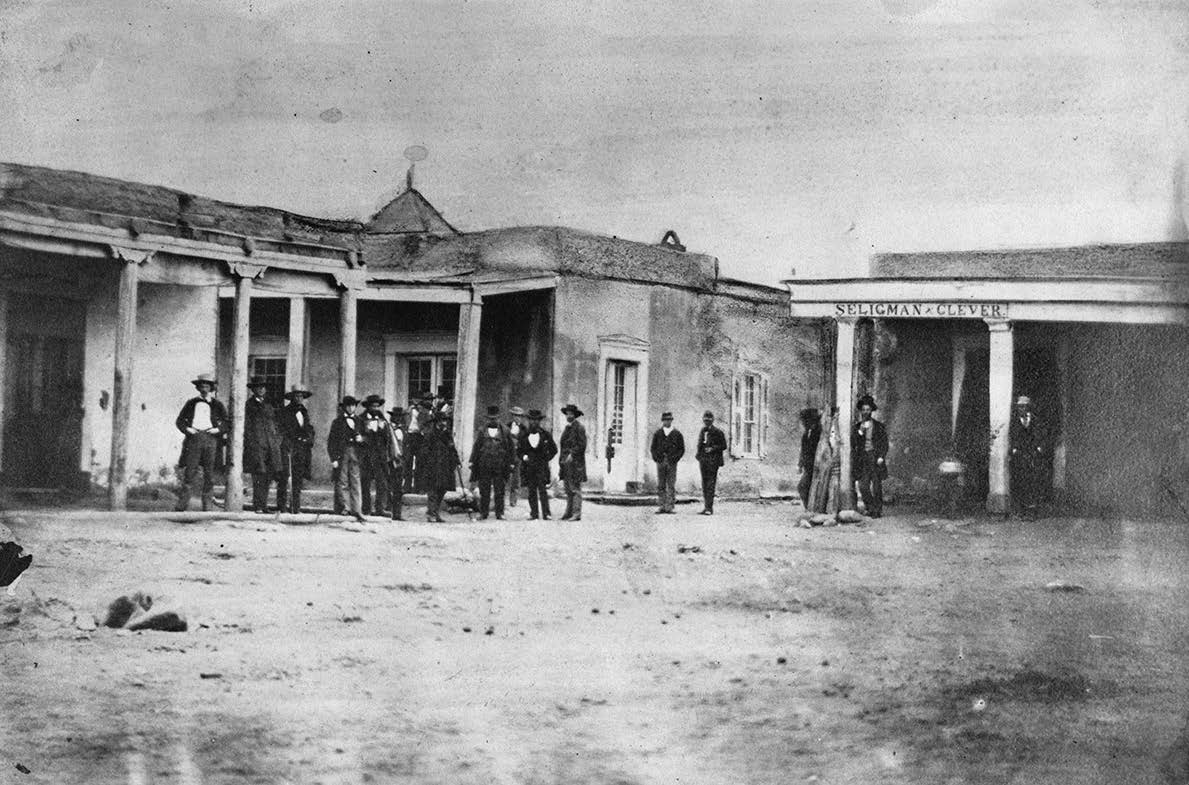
x=773, y=135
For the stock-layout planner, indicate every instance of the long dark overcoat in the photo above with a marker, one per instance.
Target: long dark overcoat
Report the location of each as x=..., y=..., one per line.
x=536, y=469
x=573, y=452
x=440, y=459
x=297, y=441
x=491, y=455
x=262, y=438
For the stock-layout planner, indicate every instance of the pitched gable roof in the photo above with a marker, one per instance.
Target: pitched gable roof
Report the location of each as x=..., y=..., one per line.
x=409, y=213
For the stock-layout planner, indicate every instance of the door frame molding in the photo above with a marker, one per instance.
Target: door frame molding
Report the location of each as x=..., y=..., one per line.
x=622, y=348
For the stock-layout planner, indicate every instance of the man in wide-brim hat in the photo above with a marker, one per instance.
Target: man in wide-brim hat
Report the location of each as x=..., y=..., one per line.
x=1029, y=459
x=490, y=460
x=262, y=443
x=203, y=422
x=373, y=469
x=535, y=449
x=343, y=445
x=573, y=461
x=441, y=464
x=869, y=450
x=297, y=447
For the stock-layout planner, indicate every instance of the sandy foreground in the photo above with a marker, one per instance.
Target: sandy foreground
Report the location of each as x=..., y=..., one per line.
x=627, y=648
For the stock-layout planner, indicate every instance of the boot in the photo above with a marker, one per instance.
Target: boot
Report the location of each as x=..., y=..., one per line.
x=208, y=501
x=183, y=498
x=295, y=502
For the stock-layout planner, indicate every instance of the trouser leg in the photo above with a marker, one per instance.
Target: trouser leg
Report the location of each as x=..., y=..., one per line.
x=709, y=485
x=380, y=473
x=534, y=509
x=339, y=502
x=365, y=486
x=513, y=487
x=497, y=490
x=542, y=491
x=804, y=485
x=484, y=495
x=295, y=499
x=283, y=484
x=260, y=483
x=189, y=475
x=354, y=485
x=397, y=484
x=876, y=505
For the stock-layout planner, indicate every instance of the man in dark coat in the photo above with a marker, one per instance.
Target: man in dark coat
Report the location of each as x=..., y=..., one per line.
x=573, y=461
x=712, y=443
x=344, y=445
x=203, y=420
x=397, y=439
x=536, y=449
x=262, y=443
x=490, y=461
x=420, y=416
x=373, y=459
x=869, y=450
x=668, y=447
x=297, y=446
x=1029, y=453
x=811, y=422
x=441, y=464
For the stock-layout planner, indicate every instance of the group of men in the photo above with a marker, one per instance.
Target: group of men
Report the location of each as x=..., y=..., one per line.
x=371, y=450
x=1029, y=456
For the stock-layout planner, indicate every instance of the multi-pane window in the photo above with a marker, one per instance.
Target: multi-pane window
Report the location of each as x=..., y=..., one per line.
x=272, y=369
x=617, y=401
x=749, y=415
x=425, y=374
x=420, y=378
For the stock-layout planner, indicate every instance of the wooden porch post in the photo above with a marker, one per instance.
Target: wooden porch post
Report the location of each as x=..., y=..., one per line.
x=999, y=409
x=466, y=380
x=844, y=362
x=295, y=371
x=237, y=396
x=348, y=326
x=125, y=341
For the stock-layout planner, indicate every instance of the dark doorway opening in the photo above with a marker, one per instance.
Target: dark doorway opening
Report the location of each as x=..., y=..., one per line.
x=972, y=431
x=43, y=393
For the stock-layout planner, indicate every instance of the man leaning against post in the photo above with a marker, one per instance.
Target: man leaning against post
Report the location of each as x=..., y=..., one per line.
x=668, y=447
x=712, y=443
x=203, y=420
x=262, y=444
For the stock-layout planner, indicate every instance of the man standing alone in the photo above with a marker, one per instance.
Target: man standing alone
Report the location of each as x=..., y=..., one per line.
x=343, y=446
x=262, y=445
x=668, y=447
x=573, y=461
x=712, y=443
x=869, y=449
x=536, y=449
x=1028, y=456
x=297, y=445
x=203, y=420
x=491, y=457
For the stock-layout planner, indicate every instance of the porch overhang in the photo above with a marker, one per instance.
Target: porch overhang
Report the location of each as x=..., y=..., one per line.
x=1084, y=299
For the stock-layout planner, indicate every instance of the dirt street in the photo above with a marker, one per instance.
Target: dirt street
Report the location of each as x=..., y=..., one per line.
x=628, y=648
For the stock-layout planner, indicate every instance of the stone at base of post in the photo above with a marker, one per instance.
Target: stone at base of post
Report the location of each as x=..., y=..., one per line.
x=998, y=504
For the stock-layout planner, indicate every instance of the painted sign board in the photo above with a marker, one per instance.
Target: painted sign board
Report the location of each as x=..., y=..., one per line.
x=922, y=310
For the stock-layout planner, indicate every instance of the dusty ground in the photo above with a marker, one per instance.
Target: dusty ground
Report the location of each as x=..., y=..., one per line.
x=547, y=652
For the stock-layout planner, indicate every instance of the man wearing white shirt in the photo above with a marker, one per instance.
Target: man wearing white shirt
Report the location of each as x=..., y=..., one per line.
x=203, y=420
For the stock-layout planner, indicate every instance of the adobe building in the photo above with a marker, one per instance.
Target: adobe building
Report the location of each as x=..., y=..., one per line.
x=115, y=294
x=1097, y=337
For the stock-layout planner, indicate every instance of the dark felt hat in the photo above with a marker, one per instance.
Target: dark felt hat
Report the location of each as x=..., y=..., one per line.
x=866, y=400
x=296, y=390
x=667, y=416
x=257, y=381
x=349, y=400
x=493, y=410
x=204, y=378
x=708, y=413
x=535, y=414
x=516, y=411
x=368, y=401
x=569, y=407
x=810, y=414
x=396, y=411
